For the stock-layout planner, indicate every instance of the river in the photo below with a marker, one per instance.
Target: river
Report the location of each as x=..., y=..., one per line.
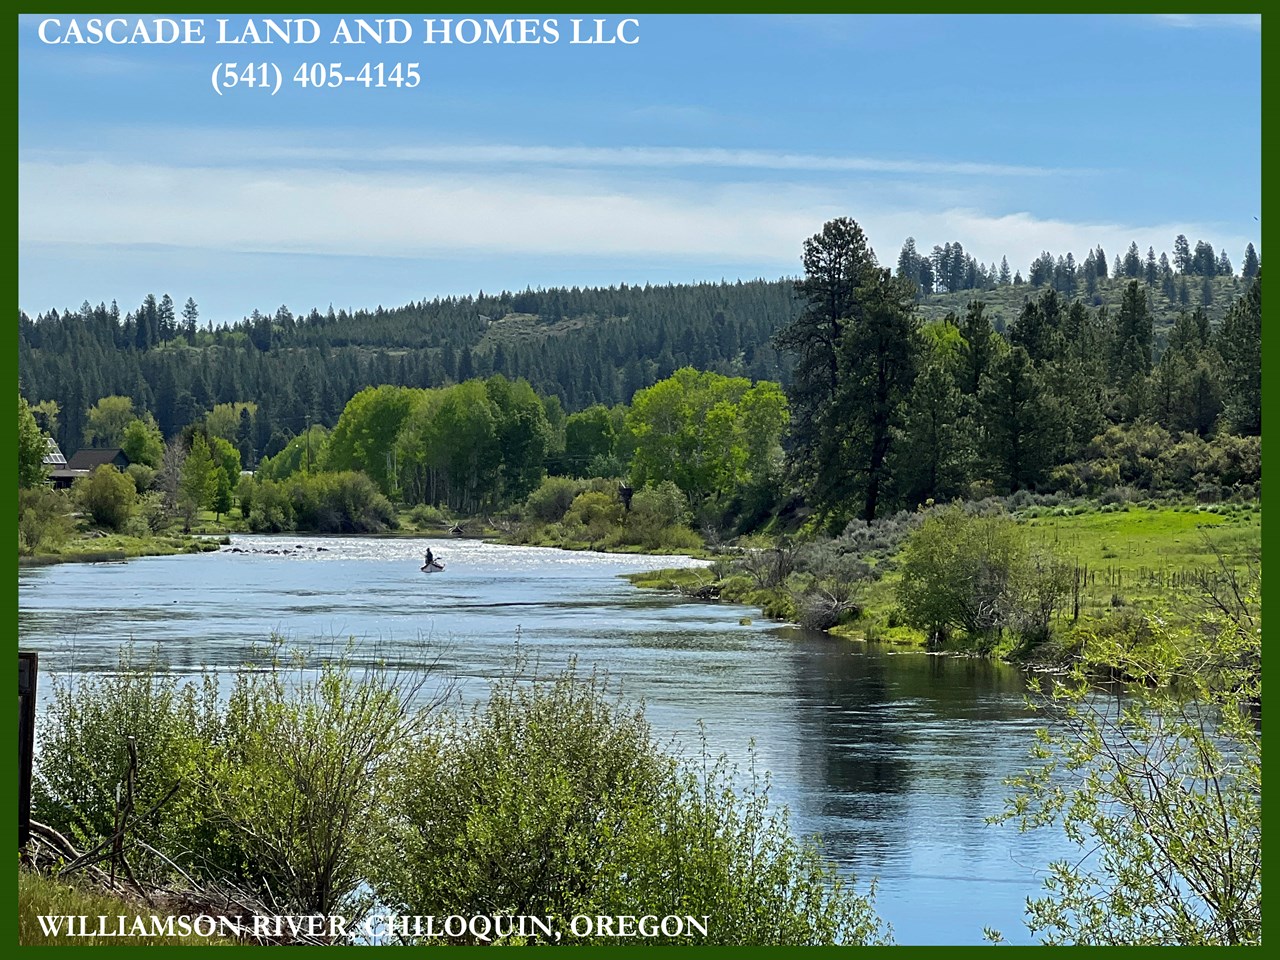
x=895, y=758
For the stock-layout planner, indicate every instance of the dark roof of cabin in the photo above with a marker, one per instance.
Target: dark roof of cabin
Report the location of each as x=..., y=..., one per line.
x=89, y=458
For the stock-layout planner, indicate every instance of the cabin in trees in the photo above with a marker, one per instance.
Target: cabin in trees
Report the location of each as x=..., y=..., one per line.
x=83, y=462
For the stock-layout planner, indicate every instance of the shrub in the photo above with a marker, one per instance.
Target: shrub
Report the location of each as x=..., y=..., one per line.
x=142, y=476
x=271, y=508
x=593, y=515
x=554, y=800
x=978, y=574
x=84, y=737
x=274, y=789
x=43, y=520
x=108, y=495
x=657, y=517
x=425, y=515
x=339, y=502
x=297, y=772
x=551, y=501
x=1160, y=790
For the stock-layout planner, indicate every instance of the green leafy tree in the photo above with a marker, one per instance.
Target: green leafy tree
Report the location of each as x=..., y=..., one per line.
x=142, y=442
x=709, y=433
x=46, y=414
x=365, y=436
x=224, y=420
x=523, y=435
x=106, y=421
x=226, y=459
x=31, y=448
x=198, y=479
x=588, y=435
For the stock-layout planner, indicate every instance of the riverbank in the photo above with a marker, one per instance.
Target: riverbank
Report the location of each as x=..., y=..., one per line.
x=116, y=547
x=1126, y=560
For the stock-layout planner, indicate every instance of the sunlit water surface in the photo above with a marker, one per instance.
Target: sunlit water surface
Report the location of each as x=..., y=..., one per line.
x=896, y=759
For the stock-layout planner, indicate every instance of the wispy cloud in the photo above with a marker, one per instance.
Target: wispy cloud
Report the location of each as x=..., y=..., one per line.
x=1203, y=21
x=231, y=146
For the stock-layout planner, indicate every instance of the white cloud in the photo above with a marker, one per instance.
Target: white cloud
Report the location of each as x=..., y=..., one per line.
x=196, y=146
x=502, y=213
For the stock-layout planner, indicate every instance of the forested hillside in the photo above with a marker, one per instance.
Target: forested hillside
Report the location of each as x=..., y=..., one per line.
x=584, y=346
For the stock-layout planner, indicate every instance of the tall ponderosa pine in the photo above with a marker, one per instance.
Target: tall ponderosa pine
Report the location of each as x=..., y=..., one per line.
x=855, y=346
x=1251, y=265
x=1182, y=254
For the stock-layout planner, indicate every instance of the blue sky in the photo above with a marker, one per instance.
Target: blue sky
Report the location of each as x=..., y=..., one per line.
x=709, y=149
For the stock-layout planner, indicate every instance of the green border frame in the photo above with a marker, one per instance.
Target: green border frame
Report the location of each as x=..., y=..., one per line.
x=9, y=363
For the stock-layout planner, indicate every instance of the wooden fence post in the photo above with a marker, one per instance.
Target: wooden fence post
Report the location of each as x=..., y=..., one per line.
x=28, y=661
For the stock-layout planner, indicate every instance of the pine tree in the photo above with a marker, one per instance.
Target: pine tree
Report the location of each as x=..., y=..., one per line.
x=854, y=347
x=190, y=314
x=1182, y=254
x=1240, y=344
x=1005, y=277
x=1251, y=263
x=1017, y=429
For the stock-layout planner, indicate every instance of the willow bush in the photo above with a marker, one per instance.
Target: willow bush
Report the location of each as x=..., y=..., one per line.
x=555, y=800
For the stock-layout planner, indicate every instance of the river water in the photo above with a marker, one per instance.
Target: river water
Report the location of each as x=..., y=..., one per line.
x=894, y=758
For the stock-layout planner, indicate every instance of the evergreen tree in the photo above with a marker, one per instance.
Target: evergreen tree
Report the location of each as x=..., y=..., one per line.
x=190, y=314
x=221, y=494
x=1182, y=254
x=1132, y=262
x=1133, y=327
x=1251, y=263
x=1240, y=344
x=854, y=346
x=1204, y=262
x=933, y=453
x=1017, y=430
x=245, y=437
x=1006, y=277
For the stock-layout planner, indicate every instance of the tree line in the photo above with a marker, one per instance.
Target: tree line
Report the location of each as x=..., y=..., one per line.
x=890, y=410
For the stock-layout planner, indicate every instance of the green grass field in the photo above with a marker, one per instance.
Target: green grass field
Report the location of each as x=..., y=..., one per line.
x=1145, y=556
